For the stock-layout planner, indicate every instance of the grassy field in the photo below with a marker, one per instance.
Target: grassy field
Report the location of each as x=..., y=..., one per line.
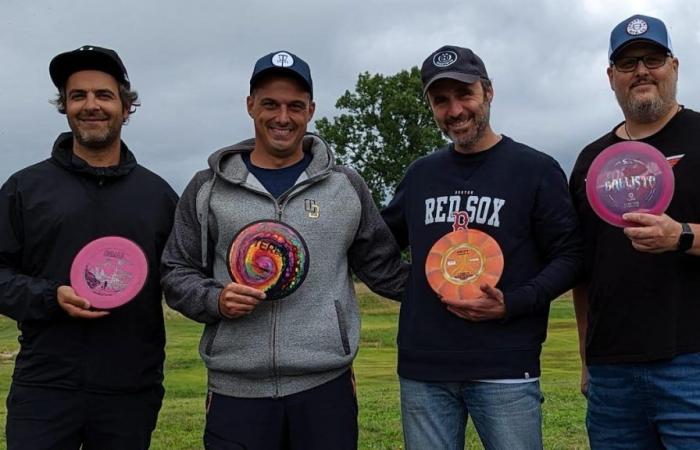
x=182, y=417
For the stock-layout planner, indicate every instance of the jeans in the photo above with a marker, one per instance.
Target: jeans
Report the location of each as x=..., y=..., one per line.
x=654, y=405
x=506, y=416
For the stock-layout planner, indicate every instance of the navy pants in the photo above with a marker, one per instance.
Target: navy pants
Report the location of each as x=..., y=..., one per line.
x=321, y=418
x=61, y=419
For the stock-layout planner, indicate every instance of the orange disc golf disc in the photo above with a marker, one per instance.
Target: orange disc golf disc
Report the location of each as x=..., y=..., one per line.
x=459, y=262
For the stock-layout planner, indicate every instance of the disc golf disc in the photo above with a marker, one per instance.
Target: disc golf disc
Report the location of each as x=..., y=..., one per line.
x=459, y=262
x=629, y=176
x=109, y=272
x=270, y=256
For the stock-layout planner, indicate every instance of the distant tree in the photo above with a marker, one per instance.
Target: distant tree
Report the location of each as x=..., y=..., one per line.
x=385, y=124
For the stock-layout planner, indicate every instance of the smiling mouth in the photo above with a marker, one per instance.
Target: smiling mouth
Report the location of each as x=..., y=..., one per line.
x=281, y=132
x=643, y=84
x=459, y=126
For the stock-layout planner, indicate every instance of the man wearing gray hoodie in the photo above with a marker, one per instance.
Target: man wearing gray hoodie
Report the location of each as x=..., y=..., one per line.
x=279, y=370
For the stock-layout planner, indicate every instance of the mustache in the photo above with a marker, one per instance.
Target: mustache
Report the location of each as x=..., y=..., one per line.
x=642, y=81
x=460, y=118
x=84, y=116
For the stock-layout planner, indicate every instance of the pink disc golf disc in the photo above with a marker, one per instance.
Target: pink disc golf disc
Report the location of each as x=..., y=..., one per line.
x=109, y=272
x=629, y=176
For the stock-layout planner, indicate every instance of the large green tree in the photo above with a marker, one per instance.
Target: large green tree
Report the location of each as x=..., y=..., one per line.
x=385, y=124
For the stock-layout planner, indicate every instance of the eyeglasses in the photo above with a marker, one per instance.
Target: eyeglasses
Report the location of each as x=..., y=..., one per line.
x=651, y=61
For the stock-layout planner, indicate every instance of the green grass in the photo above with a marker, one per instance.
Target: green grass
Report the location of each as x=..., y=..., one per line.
x=181, y=419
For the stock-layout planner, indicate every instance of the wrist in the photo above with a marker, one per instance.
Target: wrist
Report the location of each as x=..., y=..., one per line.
x=686, y=238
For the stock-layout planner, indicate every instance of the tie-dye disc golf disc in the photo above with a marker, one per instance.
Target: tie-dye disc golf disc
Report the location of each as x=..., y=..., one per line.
x=270, y=256
x=629, y=176
x=109, y=272
x=459, y=262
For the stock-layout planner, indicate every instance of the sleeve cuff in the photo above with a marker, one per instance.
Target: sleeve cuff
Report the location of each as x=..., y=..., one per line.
x=518, y=303
x=211, y=303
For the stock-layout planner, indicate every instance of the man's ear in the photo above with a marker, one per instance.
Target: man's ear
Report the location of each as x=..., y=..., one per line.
x=610, y=77
x=249, y=103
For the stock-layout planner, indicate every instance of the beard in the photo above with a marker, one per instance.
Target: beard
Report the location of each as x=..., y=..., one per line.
x=466, y=142
x=644, y=109
x=96, y=138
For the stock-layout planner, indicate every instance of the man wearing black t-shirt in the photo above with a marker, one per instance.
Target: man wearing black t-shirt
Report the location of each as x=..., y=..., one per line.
x=478, y=357
x=638, y=307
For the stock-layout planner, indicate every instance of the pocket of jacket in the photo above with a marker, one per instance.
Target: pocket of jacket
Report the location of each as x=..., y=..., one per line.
x=211, y=339
x=342, y=327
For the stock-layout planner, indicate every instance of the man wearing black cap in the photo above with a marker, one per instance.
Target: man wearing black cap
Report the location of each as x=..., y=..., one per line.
x=638, y=305
x=478, y=357
x=279, y=366
x=84, y=378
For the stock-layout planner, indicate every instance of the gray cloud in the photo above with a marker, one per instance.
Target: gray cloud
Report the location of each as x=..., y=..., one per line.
x=190, y=62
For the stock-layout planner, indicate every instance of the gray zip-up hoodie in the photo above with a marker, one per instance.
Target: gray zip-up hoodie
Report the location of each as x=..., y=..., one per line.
x=310, y=337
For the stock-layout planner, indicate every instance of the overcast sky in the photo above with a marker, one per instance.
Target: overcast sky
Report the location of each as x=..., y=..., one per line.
x=191, y=61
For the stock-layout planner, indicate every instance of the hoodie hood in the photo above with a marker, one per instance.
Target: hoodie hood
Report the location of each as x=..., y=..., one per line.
x=62, y=154
x=227, y=164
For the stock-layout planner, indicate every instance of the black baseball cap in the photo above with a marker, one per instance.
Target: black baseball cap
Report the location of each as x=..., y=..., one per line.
x=450, y=61
x=87, y=57
x=283, y=61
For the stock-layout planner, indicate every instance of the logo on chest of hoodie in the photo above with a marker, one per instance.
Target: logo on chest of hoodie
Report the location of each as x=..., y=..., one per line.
x=312, y=208
x=481, y=209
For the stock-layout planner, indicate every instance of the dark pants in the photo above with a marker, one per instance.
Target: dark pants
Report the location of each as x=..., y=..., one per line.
x=60, y=419
x=321, y=418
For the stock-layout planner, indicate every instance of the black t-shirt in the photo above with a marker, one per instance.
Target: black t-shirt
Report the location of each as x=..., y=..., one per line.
x=278, y=181
x=642, y=306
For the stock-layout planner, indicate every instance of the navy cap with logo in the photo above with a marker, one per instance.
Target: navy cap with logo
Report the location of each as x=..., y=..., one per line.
x=453, y=62
x=638, y=28
x=87, y=57
x=283, y=61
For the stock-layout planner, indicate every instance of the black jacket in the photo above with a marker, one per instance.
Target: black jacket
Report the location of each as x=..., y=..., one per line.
x=48, y=212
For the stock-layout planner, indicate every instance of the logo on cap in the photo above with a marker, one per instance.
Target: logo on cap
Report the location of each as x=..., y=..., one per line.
x=444, y=59
x=637, y=27
x=282, y=59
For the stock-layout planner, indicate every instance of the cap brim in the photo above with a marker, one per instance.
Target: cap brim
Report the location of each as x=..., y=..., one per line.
x=636, y=41
x=459, y=76
x=64, y=65
x=282, y=70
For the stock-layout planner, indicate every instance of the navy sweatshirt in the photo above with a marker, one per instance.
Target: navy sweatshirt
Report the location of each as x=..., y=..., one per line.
x=519, y=197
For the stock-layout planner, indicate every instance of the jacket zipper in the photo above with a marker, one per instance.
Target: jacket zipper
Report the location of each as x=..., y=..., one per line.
x=284, y=198
x=274, y=350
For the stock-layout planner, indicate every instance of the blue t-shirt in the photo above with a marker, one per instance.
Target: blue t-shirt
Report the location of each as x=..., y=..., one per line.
x=278, y=181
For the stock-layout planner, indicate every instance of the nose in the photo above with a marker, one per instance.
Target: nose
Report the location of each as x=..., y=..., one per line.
x=283, y=116
x=455, y=109
x=91, y=102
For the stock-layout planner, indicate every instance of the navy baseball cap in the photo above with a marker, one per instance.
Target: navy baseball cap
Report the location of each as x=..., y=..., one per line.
x=453, y=62
x=283, y=61
x=88, y=57
x=638, y=28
